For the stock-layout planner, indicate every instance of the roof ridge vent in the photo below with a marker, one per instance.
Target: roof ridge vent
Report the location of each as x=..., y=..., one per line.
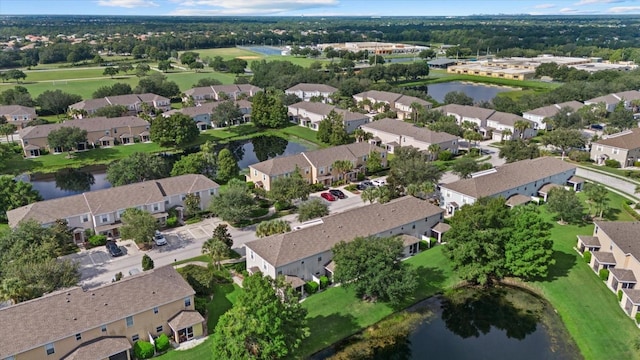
x=622, y=133
x=484, y=172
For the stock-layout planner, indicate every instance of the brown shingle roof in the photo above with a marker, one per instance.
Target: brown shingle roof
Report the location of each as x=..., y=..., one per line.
x=307, y=87
x=17, y=110
x=551, y=110
x=125, y=100
x=507, y=118
x=88, y=124
x=604, y=257
x=624, y=234
x=633, y=295
x=510, y=176
x=441, y=228
x=399, y=127
x=518, y=199
x=281, y=165
x=379, y=96
x=629, y=139
x=185, y=319
x=473, y=112
x=623, y=275
x=100, y=348
x=313, y=107
x=408, y=100
x=616, y=97
x=368, y=220
x=589, y=240
x=45, y=212
x=67, y=312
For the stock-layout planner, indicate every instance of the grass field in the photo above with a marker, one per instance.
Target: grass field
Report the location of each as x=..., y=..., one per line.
x=57, y=74
x=226, y=53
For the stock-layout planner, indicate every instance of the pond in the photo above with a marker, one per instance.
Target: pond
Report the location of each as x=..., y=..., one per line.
x=69, y=181
x=495, y=324
x=479, y=92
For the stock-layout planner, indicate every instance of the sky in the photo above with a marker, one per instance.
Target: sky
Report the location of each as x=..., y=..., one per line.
x=317, y=7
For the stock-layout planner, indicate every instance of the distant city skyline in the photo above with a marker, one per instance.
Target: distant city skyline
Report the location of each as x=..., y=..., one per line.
x=317, y=7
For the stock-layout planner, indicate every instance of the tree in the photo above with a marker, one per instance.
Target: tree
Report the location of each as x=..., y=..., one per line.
x=56, y=102
x=433, y=150
x=8, y=129
x=192, y=204
x=164, y=65
x=207, y=82
x=67, y=138
x=125, y=68
x=111, y=111
x=157, y=83
x=136, y=168
x=142, y=70
x=216, y=249
x=565, y=204
x=18, y=95
x=369, y=194
x=266, y=322
x=289, y=188
x=517, y=150
x=16, y=74
x=235, y=203
x=374, y=162
x=197, y=66
x=138, y=225
x=411, y=166
x=147, y=263
x=324, y=130
x=195, y=163
x=14, y=194
x=111, y=71
x=521, y=126
x=528, y=250
x=427, y=54
x=312, y=209
x=331, y=129
x=622, y=118
x=221, y=232
x=226, y=113
x=464, y=167
x=113, y=90
x=361, y=135
x=381, y=194
x=372, y=268
x=272, y=227
x=188, y=57
x=597, y=197
x=458, y=97
x=564, y=139
x=176, y=130
x=343, y=167
x=227, y=166
x=268, y=111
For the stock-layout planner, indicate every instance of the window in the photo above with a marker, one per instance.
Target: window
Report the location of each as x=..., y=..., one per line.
x=85, y=218
x=187, y=302
x=115, y=130
x=364, y=158
x=616, y=151
x=264, y=177
x=106, y=132
x=280, y=272
x=159, y=329
x=251, y=254
x=155, y=310
x=166, y=202
x=129, y=321
x=103, y=328
x=264, y=264
x=78, y=337
x=49, y=349
x=319, y=258
x=255, y=172
x=105, y=218
x=182, y=197
x=135, y=338
x=306, y=171
x=212, y=191
x=156, y=207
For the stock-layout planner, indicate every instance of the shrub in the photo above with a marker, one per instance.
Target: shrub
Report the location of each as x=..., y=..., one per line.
x=339, y=183
x=612, y=163
x=351, y=187
x=445, y=155
x=193, y=220
x=143, y=349
x=630, y=211
x=324, y=282
x=200, y=278
x=638, y=318
x=162, y=343
x=282, y=205
x=604, y=274
x=172, y=221
x=200, y=303
x=147, y=263
x=587, y=257
x=312, y=209
x=311, y=287
x=619, y=295
x=579, y=156
x=97, y=240
x=636, y=163
x=360, y=177
x=117, y=277
x=317, y=187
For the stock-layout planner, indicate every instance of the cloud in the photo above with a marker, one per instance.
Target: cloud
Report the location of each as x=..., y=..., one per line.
x=623, y=9
x=589, y=2
x=127, y=3
x=568, y=10
x=544, y=6
x=248, y=7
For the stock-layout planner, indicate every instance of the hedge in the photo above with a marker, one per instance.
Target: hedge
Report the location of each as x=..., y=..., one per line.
x=619, y=295
x=97, y=240
x=143, y=349
x=587, y=257
x=324, y=282
x=162, y=343
x=311, y=287
x=630, y=210
x=200, y=278
x=604, y=274
x=612, y=163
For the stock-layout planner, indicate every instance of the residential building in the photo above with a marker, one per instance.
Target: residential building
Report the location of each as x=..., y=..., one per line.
x=614, y=246
x=18, y=115
x=628, y=98
x=623, y=147
x=491, y=124
x=401, y=104
x=539, y=115
x=306, y=91
x=392, y=133
x=309, y=114
x=133, y=103
x=101, y=210
x=306, y=253
x=101, y=323
x=374, y=47
x=101, y=132
x=526, y=177
x=220, y=92
x=315, y=166
x=203, y=113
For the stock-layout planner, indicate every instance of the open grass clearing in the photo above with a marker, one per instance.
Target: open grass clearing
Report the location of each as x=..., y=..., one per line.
x=59, y=74
x=225, y=53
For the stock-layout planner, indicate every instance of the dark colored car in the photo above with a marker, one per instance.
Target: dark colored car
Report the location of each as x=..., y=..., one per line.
x=327, y=196
x=337, y=193
x=113, y=249
x=365, y=184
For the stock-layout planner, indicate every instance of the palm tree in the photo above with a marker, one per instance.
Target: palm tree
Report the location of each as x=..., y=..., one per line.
x=369, y=194
x=361, y=135
x=521, y=126
x=416, y=108
x=216, y=249
x=8, y=129
x=343, y=167
x=434, y=149
x=506, y=133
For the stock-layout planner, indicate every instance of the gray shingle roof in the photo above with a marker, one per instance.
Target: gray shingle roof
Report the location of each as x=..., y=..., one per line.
x=400, y=127
x=604, y=257
x=466, y=111
x=616, y=97
x=17, y=110
x=629, y=139
x=307, y=87
x=624, y=234
x=379, y=96
x=314, y=107
x=510, y=176
x=368, y=220
x=185, y=319
x=100, y=348
x=623, y=275
x=45, y=212
x=551, y=110
x=126, y=100
x=67, y=312
x=633, y=295
x=88, y=124
x=507, y=118
x=281, y=165
x=408, y=100
x=589, y=240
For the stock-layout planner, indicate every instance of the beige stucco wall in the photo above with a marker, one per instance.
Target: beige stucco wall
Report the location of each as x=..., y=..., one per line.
x=597, y=150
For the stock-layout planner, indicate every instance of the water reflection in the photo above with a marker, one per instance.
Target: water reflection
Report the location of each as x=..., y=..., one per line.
x=267, y=147
x=74, y=180
x=477, y=92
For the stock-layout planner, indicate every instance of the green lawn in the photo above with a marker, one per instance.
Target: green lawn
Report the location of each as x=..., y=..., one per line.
x=227, y=53
x=303, y=133
x=59, y=74
x=224, y=296
x=438, y=76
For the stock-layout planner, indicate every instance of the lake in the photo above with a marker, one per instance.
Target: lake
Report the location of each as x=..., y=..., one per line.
x=69, y=181
x=479, y=92
x=497, y=324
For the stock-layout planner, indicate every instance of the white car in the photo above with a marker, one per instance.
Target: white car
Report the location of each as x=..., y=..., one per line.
x=159, y=239
x=378, y=182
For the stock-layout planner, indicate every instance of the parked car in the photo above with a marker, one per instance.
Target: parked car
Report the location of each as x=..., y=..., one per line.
x=113, y=249
x=337, y=193
x=134, y=271
x=327, y=196
x=378, y=182
x=159, y=239
x=364, y=184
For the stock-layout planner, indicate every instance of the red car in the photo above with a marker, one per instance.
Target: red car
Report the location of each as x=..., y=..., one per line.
x=327, y=196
